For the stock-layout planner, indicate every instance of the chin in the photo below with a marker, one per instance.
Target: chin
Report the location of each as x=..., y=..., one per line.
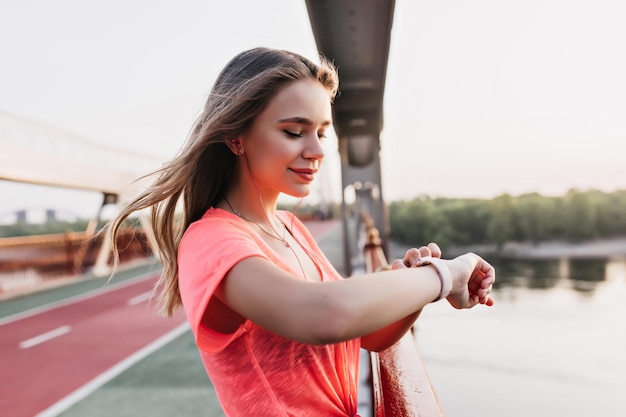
x=299, y=193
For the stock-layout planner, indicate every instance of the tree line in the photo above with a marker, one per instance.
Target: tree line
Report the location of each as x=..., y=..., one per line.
x=50, y=227
x=576, y=216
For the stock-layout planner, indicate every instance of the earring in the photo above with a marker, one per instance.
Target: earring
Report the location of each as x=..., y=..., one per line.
x=239, y=150
x=237, y=143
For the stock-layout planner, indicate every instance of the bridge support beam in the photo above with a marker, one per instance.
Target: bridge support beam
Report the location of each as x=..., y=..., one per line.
x=361, y=173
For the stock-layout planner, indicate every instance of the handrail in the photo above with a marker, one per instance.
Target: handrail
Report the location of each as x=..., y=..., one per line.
x=401, y=386
x=28, y=259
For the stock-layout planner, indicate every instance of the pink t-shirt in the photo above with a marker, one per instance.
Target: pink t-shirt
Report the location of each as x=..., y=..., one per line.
x=256, y=372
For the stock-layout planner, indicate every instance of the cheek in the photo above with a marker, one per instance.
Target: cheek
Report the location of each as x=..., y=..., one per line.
x=269, y=161
x=283, y=152
x=273, y=154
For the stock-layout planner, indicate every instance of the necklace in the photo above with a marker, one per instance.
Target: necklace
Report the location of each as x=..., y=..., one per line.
x=274, y=235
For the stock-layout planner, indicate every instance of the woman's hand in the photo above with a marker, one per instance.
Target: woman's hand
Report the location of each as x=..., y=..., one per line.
x=472, y=276
x=413, y=255
x=472, y=281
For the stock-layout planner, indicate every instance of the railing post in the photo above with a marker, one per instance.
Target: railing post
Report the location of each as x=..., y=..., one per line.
x=101, y=267
x=85, y=244
x=401, y=386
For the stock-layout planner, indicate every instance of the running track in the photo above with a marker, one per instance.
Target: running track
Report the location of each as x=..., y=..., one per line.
x=49, y=353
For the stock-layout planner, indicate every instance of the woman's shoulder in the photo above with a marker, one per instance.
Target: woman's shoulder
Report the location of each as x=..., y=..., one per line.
x=216, y=215
x=212, y=224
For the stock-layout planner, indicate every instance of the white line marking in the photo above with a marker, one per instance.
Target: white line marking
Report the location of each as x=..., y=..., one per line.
x=65, y=403
x=107, y=287
x=138, y=299
x=44, y=337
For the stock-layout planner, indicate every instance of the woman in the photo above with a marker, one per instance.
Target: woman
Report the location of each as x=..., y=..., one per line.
x=277, y=327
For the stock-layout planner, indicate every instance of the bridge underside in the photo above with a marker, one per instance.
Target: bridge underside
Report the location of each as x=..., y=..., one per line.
x=355, y=35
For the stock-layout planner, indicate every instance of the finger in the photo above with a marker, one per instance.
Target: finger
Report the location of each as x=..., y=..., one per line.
x=486, y=268
x=434, y=250
x=424, y=251
x=488, y=282
x=398, y=264
x=487, y=300
x=484, y=293
x=411, y=257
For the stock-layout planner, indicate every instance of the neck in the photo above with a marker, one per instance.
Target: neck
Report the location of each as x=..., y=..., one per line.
x=252, y=206
x=271, y=222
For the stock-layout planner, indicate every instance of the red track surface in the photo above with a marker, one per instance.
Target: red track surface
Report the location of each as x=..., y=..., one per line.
x=102, y=330
x=319, y=229
x=84, y=339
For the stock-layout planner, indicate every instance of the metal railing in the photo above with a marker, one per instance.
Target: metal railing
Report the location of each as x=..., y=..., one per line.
x=28, y=260
x=400, y=383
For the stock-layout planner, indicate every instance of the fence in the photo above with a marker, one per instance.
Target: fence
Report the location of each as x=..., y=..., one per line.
x=24, y=261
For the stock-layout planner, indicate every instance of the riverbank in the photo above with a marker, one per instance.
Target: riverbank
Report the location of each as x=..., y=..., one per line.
x=593, y=249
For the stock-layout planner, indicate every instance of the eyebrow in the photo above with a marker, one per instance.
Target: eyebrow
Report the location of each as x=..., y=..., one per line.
x=302, y=121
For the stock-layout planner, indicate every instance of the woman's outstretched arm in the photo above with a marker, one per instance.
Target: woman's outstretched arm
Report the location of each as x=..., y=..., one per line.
x=387, y=336
x=331, y=312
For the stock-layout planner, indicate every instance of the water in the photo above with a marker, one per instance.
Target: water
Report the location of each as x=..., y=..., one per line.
x=554, y=344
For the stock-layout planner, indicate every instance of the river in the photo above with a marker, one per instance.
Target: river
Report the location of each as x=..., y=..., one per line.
x=554, y=343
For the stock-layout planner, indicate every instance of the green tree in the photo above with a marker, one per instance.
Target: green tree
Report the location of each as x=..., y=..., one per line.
x=411, y=221
x=500, y=226
x=579, y=216
x=465, y=220
x=535, y=217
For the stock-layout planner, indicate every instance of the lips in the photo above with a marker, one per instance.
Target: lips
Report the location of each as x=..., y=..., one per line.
x=307, y=174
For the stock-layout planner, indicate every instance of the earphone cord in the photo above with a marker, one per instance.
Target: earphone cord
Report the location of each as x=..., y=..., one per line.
x=284, y=225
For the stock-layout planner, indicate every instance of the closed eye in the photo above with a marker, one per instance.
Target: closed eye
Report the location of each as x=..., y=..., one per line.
x=292, y=134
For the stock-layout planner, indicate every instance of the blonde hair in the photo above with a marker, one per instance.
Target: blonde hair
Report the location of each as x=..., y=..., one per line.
x=204, y=170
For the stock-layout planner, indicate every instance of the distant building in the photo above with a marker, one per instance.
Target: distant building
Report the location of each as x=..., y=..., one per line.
x=51, y=215
x=20, y=217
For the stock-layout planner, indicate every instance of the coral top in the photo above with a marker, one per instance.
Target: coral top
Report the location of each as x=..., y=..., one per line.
x=256, y=372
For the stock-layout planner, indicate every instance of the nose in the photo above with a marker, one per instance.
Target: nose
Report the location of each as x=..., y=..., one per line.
x=313, y=148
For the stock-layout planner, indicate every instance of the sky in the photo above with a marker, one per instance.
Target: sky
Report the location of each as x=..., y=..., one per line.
x=482, y=98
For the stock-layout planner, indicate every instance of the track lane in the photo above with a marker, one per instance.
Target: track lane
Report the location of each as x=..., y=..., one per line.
x=103, y=330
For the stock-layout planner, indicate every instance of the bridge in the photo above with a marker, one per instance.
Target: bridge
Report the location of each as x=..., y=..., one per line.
x=356, y=35
x=38, y=154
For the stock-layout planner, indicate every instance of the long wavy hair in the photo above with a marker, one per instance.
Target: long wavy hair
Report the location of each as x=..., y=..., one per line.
x=205, y=168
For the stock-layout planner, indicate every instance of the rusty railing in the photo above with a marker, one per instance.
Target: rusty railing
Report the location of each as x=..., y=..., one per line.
x=401, y=386
x=48, y=257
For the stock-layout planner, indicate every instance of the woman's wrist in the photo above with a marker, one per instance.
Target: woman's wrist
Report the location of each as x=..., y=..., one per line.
x=445, y=277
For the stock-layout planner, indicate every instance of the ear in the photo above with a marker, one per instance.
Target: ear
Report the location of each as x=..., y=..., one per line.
x=235, y=146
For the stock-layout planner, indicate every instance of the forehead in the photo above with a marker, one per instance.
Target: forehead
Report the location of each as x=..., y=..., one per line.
x=302, y=98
